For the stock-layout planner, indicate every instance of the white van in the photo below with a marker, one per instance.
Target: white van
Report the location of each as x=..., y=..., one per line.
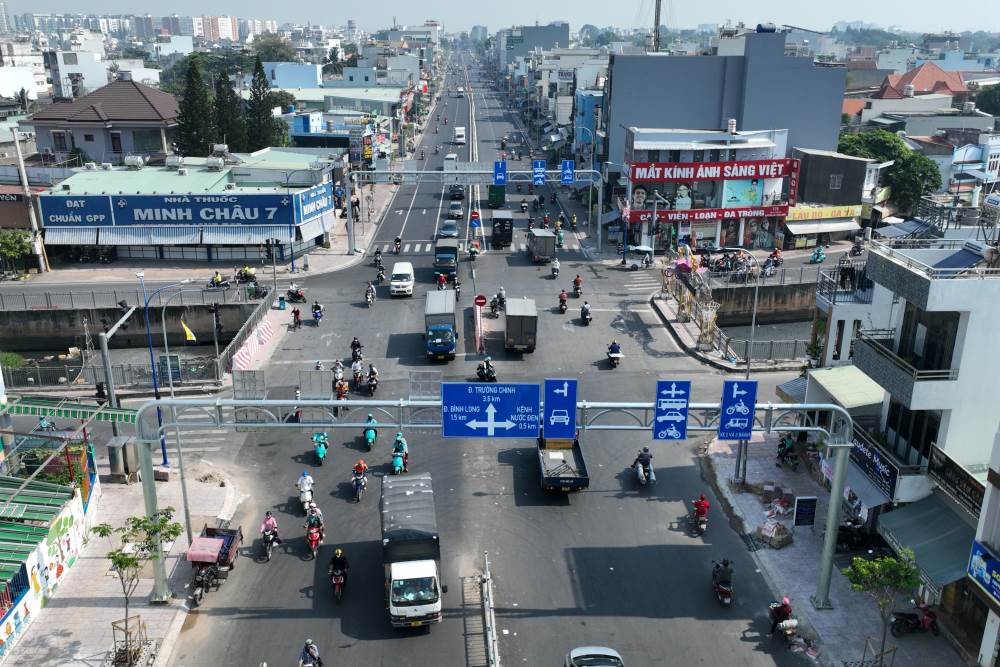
x=401, y=279
x=461, y=91
x=460, y=136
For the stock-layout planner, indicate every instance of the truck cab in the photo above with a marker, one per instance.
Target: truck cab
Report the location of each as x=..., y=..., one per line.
x=440, y=326
x=446, y=257
x=414, y=595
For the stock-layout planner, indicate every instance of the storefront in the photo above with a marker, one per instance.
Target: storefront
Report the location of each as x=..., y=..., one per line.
x=808, y=226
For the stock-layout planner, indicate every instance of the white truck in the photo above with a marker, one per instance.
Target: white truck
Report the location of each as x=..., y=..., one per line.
x=411, y=551
x=460, y=136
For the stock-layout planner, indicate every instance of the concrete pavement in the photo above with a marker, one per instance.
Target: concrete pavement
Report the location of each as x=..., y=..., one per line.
x=838, y=633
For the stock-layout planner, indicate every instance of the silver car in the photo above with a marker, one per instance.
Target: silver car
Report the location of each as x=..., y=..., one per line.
x=455, y=210
x=448, y=230
x=594, y=656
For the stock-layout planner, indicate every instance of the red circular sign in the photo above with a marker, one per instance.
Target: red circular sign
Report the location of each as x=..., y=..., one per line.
x=475, y=215
x=480, y=300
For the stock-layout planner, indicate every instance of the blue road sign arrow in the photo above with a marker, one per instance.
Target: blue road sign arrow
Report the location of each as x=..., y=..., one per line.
x=538, y=172
x=559, y=416
x=473, y=410
x=500, y=172
x=568, y=172
x=491, y=424
x=671, y=410
x=739, y=399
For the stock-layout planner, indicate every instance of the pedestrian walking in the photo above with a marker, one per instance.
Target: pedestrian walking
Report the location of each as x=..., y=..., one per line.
x=296, y=318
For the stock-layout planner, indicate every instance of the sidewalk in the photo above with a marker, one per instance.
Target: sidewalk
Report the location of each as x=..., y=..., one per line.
x=74, y=629
x=318, y=261
x=838, y=633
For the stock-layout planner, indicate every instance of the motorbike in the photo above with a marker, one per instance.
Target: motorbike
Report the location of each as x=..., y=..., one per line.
x=552, y=198
x=380, y=277
x=372, y=385
x=615, y=358
x=319, y=447
x=857, y=249
x=562, y=306
x=788, y=628
x=211, y=284
x=818, y=256
x=305, y=497
x=297, y=295
x=312, y=538
x=555, y=272
x=370, y=435
x=531, y=223
x=395, y=247
x=268, y=542
x=359, y=482
x=486, y=373
x=246, y=276
x=787, y=456
x=699, y=522
x=644, y=474
x=421, y=155
x=397, y=463
x=369, y=299
x=560, y=239
x=923, y=620
x=458, y=289
x=769, y=268
x=357, y=355
x=337, y=579
x=778, y=260
x=524, y=206
x=585, y=317
x=535, y=205
x=338, y=373
x=357, y=380
x=317, y=316
x=577, y=290
x=723, y=589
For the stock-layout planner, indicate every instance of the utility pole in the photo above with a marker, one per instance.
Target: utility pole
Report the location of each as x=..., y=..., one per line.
x=36, y=239
x=656, y=28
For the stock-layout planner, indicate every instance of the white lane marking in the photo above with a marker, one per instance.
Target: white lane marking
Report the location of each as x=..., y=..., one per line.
x=406, y=248
x=524, y=246
x=427, y=247
x=385, y=248
x=409, y=208
x=423, y=211
x=437, y=220
x=173, y=450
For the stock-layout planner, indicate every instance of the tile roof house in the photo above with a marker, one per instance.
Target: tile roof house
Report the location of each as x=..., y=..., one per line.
x=119, y=119
x=928, y=78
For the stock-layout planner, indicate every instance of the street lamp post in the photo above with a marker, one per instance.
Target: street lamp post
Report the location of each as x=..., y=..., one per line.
x=147, y=297
x=593, y=143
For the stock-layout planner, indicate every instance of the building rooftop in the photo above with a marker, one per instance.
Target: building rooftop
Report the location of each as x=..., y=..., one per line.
x=373, y=93
x=646, y=138
x=118, y=102
x=842, y=156
x=943, y=258
x=928, y=78
x=160, y=180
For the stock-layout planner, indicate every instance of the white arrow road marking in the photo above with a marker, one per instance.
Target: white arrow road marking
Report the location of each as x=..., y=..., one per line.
x=490, y=425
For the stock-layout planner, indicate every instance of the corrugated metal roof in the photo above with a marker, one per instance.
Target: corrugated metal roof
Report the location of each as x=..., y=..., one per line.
x=70, y=235
x=119, y=101
x=244, y=235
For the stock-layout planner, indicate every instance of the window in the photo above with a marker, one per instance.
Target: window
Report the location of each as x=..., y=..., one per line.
x=836, y=180
x=350, y=77
x=698, y=156
x=88, y=138
x=116, y=142
x=146, y=141
x=713, y=156
x=653, y=156
x=674, y=156
x=59, y=141
x=70, y=59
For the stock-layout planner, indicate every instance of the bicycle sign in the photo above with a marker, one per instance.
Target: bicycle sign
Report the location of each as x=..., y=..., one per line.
x=672, y=397
x=739, y=398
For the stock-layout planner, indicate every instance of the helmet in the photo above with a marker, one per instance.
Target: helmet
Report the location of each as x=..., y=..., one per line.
x=725, y=562
x=312, y=506
x=785, y=600
x=361, y=463
x=305, y=473
x=340, y=552
x=399, y=435
x=309, y=642
x=645, y=450
x=489, y=359
x=267, y=513
x=370, y=416
x=701, y=497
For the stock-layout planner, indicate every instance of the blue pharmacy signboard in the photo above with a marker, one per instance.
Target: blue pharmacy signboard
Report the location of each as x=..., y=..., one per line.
x=739, y=398
x=185, y=209
x=499, y=172
x=670, y=420
x=538, y=172
x=559, y=417
x=567, y=172
x=481, y=410
x=984, y=568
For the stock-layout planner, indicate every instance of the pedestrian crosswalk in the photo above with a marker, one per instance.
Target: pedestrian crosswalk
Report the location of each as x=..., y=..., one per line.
x=196, y=439
x=463, y=246
x=643, y=282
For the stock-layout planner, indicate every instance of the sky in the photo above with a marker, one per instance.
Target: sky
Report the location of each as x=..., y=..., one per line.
x=917, y=15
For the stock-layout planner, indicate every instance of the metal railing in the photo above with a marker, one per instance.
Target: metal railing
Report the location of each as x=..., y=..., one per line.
x=790, y=276
x=125, y=376
x=224, y=363
x=846, y=283
x=112, y=299
x=489, y=619
x=767, y=350
x=871, y=439
x=895, y=249
x=881, y=342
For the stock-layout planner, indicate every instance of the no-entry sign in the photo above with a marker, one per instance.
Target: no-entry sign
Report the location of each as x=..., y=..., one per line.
x=475, y=215
x=480, y=300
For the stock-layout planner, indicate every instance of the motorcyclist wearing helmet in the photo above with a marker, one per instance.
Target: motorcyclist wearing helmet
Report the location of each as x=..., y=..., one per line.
x=401, y=447
x=701, y=506
x=645, y=459
x=315, y=520
x=309, y=657
x=360, y=468
x=585, y=309
x=722, y=572
x=614, y=348
x=338, y=563
x=563, y=297
x=305, y=481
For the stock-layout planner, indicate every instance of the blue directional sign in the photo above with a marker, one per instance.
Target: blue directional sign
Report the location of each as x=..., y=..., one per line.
x=559, y=417
x=499, y=172
x=480, y=410
x=739, y=398
x=538, y=172
x=670, y=421
x=339, y=191
x=568, y=172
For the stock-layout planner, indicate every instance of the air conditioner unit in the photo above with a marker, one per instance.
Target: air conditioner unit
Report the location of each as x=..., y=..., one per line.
x=173, y=161
x=46, y=151
x=182, y=172
x=66, y=186
x=134, y=161
x=90, y=166
x=230, y=186
x=106, y=166
x=220, y=149
x=214, y=163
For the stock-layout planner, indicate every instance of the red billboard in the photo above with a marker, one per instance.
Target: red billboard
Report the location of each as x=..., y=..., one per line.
x=706, y=214
x=666, y=172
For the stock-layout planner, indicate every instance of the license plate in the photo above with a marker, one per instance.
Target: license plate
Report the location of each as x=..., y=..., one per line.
x=416, y=624
x=440, y=356
x=565, y=488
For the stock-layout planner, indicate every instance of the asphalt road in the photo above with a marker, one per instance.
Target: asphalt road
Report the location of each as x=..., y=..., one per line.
x=613, y=565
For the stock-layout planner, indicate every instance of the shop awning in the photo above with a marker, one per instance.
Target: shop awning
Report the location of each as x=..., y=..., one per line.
x=823, y=226
x=938, y=536
x=245, y=234
x=125, y=235
x=892, y=220
x=793, y=391
x=848, y=386
x=864, y=488
x=312, y=229
x=180, y=235
x=70, y=235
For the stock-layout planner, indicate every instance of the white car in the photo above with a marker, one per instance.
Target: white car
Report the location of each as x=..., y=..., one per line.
x=670, y=416
x=559, y=417
x=594, y=656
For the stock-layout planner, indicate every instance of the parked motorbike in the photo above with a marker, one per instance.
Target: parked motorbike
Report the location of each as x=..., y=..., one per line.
x=312, y=539
x=786, y=456
x=923, y=620
x=204, y=579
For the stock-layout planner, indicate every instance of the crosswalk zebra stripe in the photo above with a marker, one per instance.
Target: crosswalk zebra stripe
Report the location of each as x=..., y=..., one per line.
x=406, y=248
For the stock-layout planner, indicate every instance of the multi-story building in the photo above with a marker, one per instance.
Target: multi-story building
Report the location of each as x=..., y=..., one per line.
x=146, y=27
x=6, y=25
x=220, y=28
x=761, y=89
x=514, y=43
x=20, y=52
x=75, y=73
x=478, y=33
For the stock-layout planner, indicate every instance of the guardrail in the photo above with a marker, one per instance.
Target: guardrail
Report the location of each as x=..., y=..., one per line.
x=125, y=376
x=789, y=276
x=876, y=339
x=892, y=249
x=489, y=619
x=768, y=350
x=113, y=299
x=224, y=363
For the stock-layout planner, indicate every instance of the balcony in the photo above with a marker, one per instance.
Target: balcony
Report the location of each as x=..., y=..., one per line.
x=917, y=387
x=847, y=283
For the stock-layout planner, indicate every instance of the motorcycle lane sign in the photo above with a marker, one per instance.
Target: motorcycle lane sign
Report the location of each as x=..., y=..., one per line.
x=739, y=399
x=670, y=414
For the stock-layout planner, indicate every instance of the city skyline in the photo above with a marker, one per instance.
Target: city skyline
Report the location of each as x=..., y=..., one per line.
x=912, y=16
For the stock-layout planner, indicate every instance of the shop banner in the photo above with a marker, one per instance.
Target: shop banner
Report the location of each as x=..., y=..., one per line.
x=984, y=568
x=664, y=172
x=876, y=466
x=705, y=214
x=797, y=213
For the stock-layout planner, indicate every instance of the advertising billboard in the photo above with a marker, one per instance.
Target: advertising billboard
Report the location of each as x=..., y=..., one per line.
x=704, y=214
x=666, y=172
